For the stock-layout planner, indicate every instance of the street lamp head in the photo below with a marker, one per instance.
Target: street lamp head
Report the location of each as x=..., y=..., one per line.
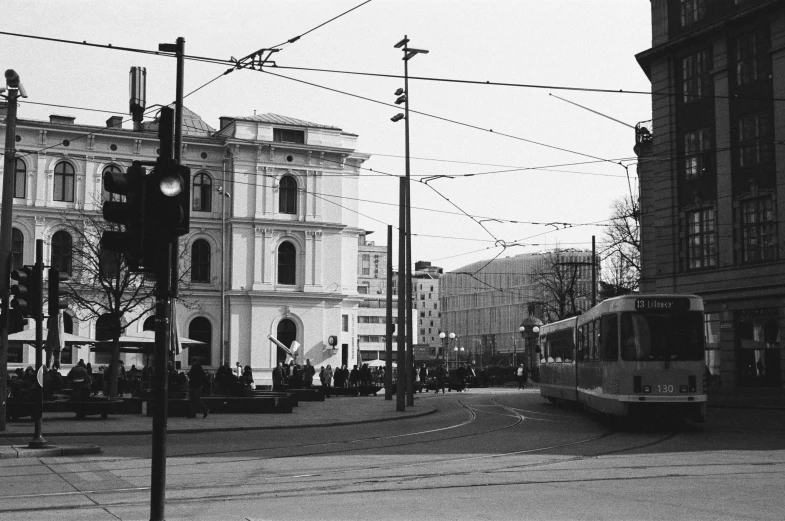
x=400, y=99
x=522, y=329
x=452, y=336
x=442, y=335
x=399, y=91
x=535, y=329
x=397, y=117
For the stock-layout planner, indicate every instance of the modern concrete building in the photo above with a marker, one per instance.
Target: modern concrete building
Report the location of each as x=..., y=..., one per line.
x=425, y=292
x=712, y=178
x=484, y=303
x=273, y=242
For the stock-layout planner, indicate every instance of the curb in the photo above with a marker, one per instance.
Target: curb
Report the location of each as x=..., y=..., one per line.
x=216, y=429
x=22, y=451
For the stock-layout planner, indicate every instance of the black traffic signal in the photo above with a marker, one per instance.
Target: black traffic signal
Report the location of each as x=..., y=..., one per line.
x=56, y=291
x=28, y=293
x=169, y=199
x=129, y=213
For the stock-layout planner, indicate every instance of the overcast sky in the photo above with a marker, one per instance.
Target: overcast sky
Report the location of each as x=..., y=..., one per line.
x=557, y=43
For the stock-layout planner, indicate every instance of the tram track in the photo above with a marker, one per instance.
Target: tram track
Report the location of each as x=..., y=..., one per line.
x=325, y=481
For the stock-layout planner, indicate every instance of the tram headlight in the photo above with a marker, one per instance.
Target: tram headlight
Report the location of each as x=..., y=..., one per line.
x=683, y=388
x=647, y=389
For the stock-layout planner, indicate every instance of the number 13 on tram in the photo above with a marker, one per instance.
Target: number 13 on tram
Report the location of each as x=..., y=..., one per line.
x=634, y=355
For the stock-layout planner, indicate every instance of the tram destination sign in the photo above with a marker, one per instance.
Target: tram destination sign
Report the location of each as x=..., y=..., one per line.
x=662, y=304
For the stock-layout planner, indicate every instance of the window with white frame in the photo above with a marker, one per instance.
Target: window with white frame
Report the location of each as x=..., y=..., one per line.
x=758, y=229
x=701, y=239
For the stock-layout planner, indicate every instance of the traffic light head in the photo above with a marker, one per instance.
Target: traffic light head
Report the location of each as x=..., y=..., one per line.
x=128, y=213
x=21, y=290
x=27, y=292
x=170, y=195
x=57, y=290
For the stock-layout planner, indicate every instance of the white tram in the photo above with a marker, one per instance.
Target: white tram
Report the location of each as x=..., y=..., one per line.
x=635, y=355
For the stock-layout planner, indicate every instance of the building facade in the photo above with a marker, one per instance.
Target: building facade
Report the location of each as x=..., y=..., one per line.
x=273, y=244
x=484, y=303
x=711, y=178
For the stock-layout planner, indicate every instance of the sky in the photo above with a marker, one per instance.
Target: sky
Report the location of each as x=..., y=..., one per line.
x=504, y=135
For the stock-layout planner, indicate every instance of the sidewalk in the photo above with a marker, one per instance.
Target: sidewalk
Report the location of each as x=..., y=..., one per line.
x=332, y=411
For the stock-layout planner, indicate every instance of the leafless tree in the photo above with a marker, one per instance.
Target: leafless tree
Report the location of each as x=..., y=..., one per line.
x=621, y=254
x=563, y=291
x=101, y=283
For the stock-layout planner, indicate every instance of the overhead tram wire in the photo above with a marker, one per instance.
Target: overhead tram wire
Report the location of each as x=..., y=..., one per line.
x=229, y=62
x=292, y=40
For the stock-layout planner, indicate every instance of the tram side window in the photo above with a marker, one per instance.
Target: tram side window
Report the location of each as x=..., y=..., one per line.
x=610, y=338
x=580, y=356
x=597, y=341
x=590, y=341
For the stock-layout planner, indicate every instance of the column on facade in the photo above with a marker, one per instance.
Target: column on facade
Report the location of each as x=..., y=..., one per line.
x=269, y=191
x=261, y=181
x=724, y=200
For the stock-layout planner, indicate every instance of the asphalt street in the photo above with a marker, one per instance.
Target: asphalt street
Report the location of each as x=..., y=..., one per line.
x=484, y=454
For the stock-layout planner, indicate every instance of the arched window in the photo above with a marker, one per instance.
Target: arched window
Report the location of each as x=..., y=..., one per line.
x=200, y=261
x=287, y=263
x=287, y=192
x=200, y=329
x=64, y=182
x=111, y=169
x=285, y=334
x=149, y=323
x=20, y=179
x=62, y=251
x=17, y=249
x=203, y=193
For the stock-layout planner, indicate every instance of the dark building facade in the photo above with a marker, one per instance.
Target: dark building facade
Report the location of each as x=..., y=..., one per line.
x=712, y=179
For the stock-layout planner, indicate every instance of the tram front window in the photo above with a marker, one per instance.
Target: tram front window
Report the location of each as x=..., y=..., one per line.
x=654, y=336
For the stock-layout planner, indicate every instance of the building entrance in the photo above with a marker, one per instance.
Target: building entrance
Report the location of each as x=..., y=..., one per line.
x=758, y=348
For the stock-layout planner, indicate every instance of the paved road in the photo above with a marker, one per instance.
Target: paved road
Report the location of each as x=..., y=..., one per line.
x=477, y=455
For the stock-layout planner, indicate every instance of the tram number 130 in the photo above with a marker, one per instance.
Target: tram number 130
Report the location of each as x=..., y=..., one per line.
x=664, y=388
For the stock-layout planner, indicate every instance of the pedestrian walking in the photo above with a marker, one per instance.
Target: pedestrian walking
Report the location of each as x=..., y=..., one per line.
x=521, y=376
x=197, y=378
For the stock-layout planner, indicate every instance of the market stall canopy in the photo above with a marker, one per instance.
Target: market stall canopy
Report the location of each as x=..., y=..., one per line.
x=135, y=342
x=379, y=363
x=28, y=337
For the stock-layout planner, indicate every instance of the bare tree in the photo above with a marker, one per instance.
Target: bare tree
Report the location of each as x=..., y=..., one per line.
x=622, y=250
x=101, y=283
x=563, y=292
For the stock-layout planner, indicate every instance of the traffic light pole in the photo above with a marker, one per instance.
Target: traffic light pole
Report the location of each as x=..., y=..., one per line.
x=9, y=169
x=38, y=440
x=166, y=289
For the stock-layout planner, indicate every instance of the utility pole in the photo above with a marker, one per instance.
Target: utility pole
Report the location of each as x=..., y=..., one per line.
x=15, y=89
x=390, y=323
x=400, y=399
x=166, y=290
x=38, y=440
x=408, y=53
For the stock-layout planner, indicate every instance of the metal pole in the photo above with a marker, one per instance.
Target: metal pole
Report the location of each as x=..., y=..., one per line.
x=388, y=339
x=593, y=272
x=160, y=394
x=9, y=171
x=38, y=440
x=222, y=355
x=409, y=317
x=400, y=399
x=178, y=153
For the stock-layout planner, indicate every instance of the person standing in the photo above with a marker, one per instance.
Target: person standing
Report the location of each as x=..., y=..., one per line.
x=441, y=376
x=521, y=376
x=238, y=369
x=308, y=372
x=278, y=377
x=328, y=376
x=197, y=378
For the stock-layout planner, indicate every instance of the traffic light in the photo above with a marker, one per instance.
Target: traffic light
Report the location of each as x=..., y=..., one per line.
x=170, y=198
x=27, y=292
x=56, y=291
x=129, y=213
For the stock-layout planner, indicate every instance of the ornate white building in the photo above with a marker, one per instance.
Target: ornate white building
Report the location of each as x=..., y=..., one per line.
x=273, y=229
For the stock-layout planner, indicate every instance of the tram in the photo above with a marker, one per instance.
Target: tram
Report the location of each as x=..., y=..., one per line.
x=632, y=356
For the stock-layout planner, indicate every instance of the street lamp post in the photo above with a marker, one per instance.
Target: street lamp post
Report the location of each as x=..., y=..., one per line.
x=458, y=351
x=224, y=357
x=445, y=343
x=529, y=329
